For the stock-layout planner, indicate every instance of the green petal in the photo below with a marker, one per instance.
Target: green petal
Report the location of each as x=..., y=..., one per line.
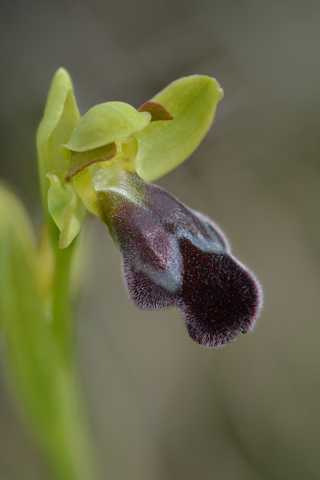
x=65, y=207
x=164, y=145
x=105, y=123
x=60, y=117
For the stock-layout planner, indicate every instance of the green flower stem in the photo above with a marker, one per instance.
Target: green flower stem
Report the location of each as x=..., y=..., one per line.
x=61, y=311
x=70, y=451
x=77, y=446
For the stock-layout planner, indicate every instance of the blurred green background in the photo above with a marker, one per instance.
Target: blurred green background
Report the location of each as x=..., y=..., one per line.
x=162, y=407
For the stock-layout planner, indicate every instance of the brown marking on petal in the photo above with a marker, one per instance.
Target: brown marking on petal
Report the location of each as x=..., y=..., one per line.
x=80, y=160
x=157, y=111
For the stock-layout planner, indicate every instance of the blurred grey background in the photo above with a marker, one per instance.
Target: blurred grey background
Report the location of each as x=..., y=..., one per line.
x=162, y=407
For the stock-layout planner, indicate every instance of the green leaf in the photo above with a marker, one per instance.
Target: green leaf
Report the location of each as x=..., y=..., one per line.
x=13, y=221
x=106, y=123
x=14, y=216
x=164, y=145
x=60, y=117
x=44, y=383
x=65, y=207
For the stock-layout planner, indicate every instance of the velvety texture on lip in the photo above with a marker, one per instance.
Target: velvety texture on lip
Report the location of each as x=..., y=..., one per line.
x=174, y=256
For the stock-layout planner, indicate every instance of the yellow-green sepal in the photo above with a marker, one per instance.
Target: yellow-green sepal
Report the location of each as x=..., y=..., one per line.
x=163, y=146
x=60, y=117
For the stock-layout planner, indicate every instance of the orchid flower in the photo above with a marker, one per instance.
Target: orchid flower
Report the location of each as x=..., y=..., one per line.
x=172, y=255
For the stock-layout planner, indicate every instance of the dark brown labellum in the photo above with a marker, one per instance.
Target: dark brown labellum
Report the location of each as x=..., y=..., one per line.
x=174, y=256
